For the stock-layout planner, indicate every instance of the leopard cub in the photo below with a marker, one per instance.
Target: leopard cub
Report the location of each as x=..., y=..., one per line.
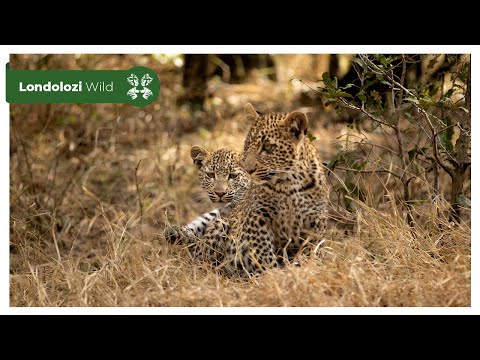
x=225, y=183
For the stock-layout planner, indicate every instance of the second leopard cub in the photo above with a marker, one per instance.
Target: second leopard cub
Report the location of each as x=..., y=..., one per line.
x=225, y=182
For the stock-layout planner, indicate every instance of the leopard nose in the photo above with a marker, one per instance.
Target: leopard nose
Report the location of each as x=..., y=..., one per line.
x=220, y=194
x=250, y=168
x=250, y=164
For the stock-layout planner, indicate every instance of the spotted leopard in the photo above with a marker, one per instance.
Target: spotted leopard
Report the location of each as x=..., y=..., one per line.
x=225, y=183
x=285, y=209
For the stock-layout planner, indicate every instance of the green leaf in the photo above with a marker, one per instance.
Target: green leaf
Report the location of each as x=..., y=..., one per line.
x=383, y=60
x=339, y=156
x=326, y=79
x=311, y=137
x=446, y=137
x=335, y=83
x=362, y=97
x=434, y=90
x=448, y=94
x=368, y=84
x=411, y=99
x=360, y=63
x=350, y=158
x=329, y=101
x=343, y=94
x=359, y=165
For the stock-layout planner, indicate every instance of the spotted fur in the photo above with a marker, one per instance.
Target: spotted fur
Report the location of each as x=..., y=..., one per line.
x=285, y=209
x=225, y=183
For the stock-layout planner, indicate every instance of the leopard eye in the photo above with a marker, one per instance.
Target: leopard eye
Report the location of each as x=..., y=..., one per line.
x=211, y=175
x=232, y=176
x=267, y=148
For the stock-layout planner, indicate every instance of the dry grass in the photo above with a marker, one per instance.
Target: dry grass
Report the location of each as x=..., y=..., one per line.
x=77, y=238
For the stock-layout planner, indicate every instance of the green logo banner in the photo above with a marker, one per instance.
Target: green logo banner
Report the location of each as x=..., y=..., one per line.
x=138, y=86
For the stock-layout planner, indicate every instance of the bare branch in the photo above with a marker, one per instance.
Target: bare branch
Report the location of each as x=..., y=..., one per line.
x=402, y=81
x=366, y=171
x=364, y=140
x=373, y=117
x=430, y=168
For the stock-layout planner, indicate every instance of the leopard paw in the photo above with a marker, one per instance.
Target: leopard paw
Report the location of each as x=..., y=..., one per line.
x=173, y=234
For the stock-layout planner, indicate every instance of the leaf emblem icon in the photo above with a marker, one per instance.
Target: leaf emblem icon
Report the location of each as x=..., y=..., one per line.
x=135, y=92
x=146, y=93
x=146, y=79
x=132, y=93
x=133, y=80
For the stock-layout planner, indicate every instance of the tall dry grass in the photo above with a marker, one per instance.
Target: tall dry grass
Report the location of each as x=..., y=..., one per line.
x=382, y=264
x=77, y=238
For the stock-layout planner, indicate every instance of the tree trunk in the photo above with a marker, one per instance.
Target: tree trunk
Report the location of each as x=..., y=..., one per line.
x=194, y=80
x=333, y=65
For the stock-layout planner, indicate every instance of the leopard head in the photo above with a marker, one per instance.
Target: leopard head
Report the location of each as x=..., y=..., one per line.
x=220, y=173
x=272, y=146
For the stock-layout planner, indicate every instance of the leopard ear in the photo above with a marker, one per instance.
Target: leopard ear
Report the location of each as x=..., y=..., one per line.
x=199, y=155
x=296, y=124
x=250, y=112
